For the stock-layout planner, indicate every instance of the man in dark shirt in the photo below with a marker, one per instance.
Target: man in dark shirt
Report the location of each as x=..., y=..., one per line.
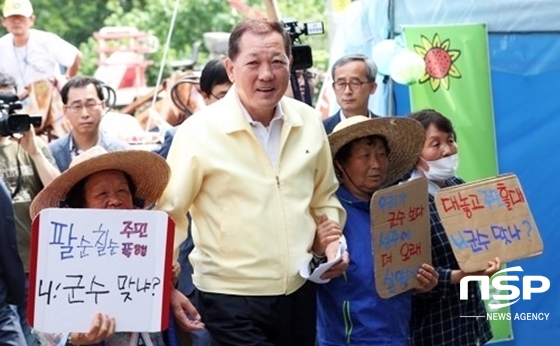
x=12, y=278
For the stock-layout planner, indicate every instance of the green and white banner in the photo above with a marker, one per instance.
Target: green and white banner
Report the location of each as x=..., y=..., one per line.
x=456, y=83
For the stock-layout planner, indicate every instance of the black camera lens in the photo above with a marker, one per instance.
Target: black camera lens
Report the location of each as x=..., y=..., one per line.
x=18, y=123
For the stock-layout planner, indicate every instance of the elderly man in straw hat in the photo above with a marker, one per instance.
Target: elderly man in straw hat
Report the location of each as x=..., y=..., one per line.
x=117, y=180
x=368, y=154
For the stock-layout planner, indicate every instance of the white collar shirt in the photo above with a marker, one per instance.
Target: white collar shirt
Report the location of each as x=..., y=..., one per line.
x=343, y=116
x=268, y=136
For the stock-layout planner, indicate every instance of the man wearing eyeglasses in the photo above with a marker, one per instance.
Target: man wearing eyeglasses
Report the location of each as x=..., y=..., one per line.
x=214, y=85
x=354, y=82
x=84, y=106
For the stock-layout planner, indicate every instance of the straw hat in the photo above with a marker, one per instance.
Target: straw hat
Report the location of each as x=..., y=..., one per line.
x=405, y=138
x=149, y=172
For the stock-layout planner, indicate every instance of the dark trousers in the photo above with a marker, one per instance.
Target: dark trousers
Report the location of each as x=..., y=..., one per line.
x=30, y=336
x=10, y=329
x=286, y=320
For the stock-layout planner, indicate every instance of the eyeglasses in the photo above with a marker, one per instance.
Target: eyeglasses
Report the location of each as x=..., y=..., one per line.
x=90, y=106
x=308, y=75
x=218, y=97
x=353, y=85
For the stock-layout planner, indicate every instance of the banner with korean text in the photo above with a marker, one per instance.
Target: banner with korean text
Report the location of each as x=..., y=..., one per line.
x=400, y=234
x=85, y=261
x=487, y=219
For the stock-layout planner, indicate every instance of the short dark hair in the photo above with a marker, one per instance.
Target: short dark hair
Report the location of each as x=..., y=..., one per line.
x=427, y=117
x=75, y=198
x=7, y=81
x=214, y=73
x=82, y=82
x=259, y=26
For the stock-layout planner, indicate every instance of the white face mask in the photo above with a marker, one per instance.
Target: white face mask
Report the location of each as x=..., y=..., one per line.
x=442, y=169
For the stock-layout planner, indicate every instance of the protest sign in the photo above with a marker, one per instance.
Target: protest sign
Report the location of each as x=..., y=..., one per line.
x=401, y=236
x=487, y=219
x=84, y=261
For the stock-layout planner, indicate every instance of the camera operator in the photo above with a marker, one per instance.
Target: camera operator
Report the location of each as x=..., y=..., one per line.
x=306, y=84
x=302, y=86
x=302, y=81
x=26, y=165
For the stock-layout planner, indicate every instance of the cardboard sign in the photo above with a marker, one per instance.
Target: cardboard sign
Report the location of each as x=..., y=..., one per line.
x=487, y=219
x=85, y=261
x=401, y=236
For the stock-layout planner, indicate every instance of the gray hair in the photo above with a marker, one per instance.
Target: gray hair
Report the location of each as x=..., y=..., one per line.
x=371, y=68
x=7, y=81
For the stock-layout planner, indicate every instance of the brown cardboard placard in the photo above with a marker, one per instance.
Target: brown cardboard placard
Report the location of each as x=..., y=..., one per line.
x=487, y=219
x=400, y=234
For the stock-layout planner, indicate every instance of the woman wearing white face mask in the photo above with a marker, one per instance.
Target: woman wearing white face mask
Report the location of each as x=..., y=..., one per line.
x=436, y=315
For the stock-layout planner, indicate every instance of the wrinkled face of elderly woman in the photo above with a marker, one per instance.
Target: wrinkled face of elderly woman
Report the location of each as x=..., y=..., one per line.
x=107, y=189
x=362, y=165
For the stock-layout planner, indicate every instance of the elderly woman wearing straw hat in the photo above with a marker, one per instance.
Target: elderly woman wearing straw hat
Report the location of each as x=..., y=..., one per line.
x=117, y=180
x=368, y=154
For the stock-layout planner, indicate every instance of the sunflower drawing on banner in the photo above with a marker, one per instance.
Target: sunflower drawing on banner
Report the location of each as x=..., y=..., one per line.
x=440, y=61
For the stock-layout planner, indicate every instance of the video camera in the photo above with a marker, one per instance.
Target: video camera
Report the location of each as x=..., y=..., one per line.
x=10, y=122
x=301, y=54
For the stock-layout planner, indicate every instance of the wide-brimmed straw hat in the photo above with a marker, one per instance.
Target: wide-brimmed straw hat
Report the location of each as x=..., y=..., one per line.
x=149, y=172
x=404, y=136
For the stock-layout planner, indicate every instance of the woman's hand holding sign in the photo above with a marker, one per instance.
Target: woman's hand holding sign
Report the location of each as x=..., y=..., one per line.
x=427, y=278
x=102, y=327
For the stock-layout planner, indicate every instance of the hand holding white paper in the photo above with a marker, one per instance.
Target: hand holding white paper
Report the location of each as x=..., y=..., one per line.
x=321, y=269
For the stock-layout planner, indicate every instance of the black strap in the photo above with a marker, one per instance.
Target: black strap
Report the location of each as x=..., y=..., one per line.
x=18, y=183
x=295, y=88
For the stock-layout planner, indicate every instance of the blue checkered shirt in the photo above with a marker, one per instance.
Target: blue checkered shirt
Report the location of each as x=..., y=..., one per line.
x=436, y=315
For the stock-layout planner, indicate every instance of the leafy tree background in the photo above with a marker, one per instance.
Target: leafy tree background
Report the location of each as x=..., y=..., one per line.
x=77, y=20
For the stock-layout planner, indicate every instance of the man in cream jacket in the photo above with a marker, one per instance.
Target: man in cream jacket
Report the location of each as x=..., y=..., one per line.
x=255, y=171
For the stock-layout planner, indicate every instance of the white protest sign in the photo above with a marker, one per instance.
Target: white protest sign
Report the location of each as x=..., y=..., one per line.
x=84, y=261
